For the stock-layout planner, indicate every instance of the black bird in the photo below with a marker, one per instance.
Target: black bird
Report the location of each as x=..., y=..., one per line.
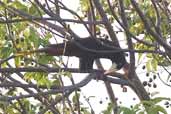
x=87, y=50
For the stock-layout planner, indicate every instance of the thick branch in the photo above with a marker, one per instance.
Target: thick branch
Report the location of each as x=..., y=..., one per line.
x=148, y=28
x=107, y=24
x=82, y=83
x=50, y=19
x=40, y=69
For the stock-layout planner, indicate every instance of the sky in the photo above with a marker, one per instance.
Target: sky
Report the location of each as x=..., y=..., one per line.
x=97, y=88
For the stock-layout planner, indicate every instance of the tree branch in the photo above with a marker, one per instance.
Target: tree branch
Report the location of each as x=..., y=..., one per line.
x=148, y=28
x=58, y=89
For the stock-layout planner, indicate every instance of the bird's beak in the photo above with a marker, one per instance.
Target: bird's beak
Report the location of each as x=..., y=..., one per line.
x=108, y=72
x=111, y=70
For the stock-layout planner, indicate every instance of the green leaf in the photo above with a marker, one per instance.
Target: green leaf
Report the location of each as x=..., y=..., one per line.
x=5, y=52
x=17, y=61
x=40, y=77
x=127, y=3
x=109, y=109
x=142, y=112
x=156, y=109
x=84, y=5
x=45, y=59
x=19, y=5
x=85, y=110
x=74, y=98
x=34, y=11
x=159, y=99
x=26, y=32
x=149, y=55
x=148, y=65
x=152, y=107
x=34, y=37
x=56, y=82
x=139, y=56
x=154, y=64
x=28, y=76
x=3, y=98
x=125, y=110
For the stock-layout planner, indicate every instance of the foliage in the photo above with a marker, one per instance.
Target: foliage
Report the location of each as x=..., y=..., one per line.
x=29, y=83
x=152, y=107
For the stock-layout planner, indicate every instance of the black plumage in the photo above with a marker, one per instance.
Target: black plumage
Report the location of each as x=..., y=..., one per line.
x=87, y=50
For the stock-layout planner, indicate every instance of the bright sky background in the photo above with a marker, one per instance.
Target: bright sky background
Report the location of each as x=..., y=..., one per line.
x=97, y=88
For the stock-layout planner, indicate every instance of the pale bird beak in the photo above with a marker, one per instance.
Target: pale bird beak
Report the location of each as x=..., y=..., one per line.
x=111, y=70
x=108, y=72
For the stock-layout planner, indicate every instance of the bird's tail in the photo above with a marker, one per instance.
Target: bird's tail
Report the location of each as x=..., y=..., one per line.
x=29, y=52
